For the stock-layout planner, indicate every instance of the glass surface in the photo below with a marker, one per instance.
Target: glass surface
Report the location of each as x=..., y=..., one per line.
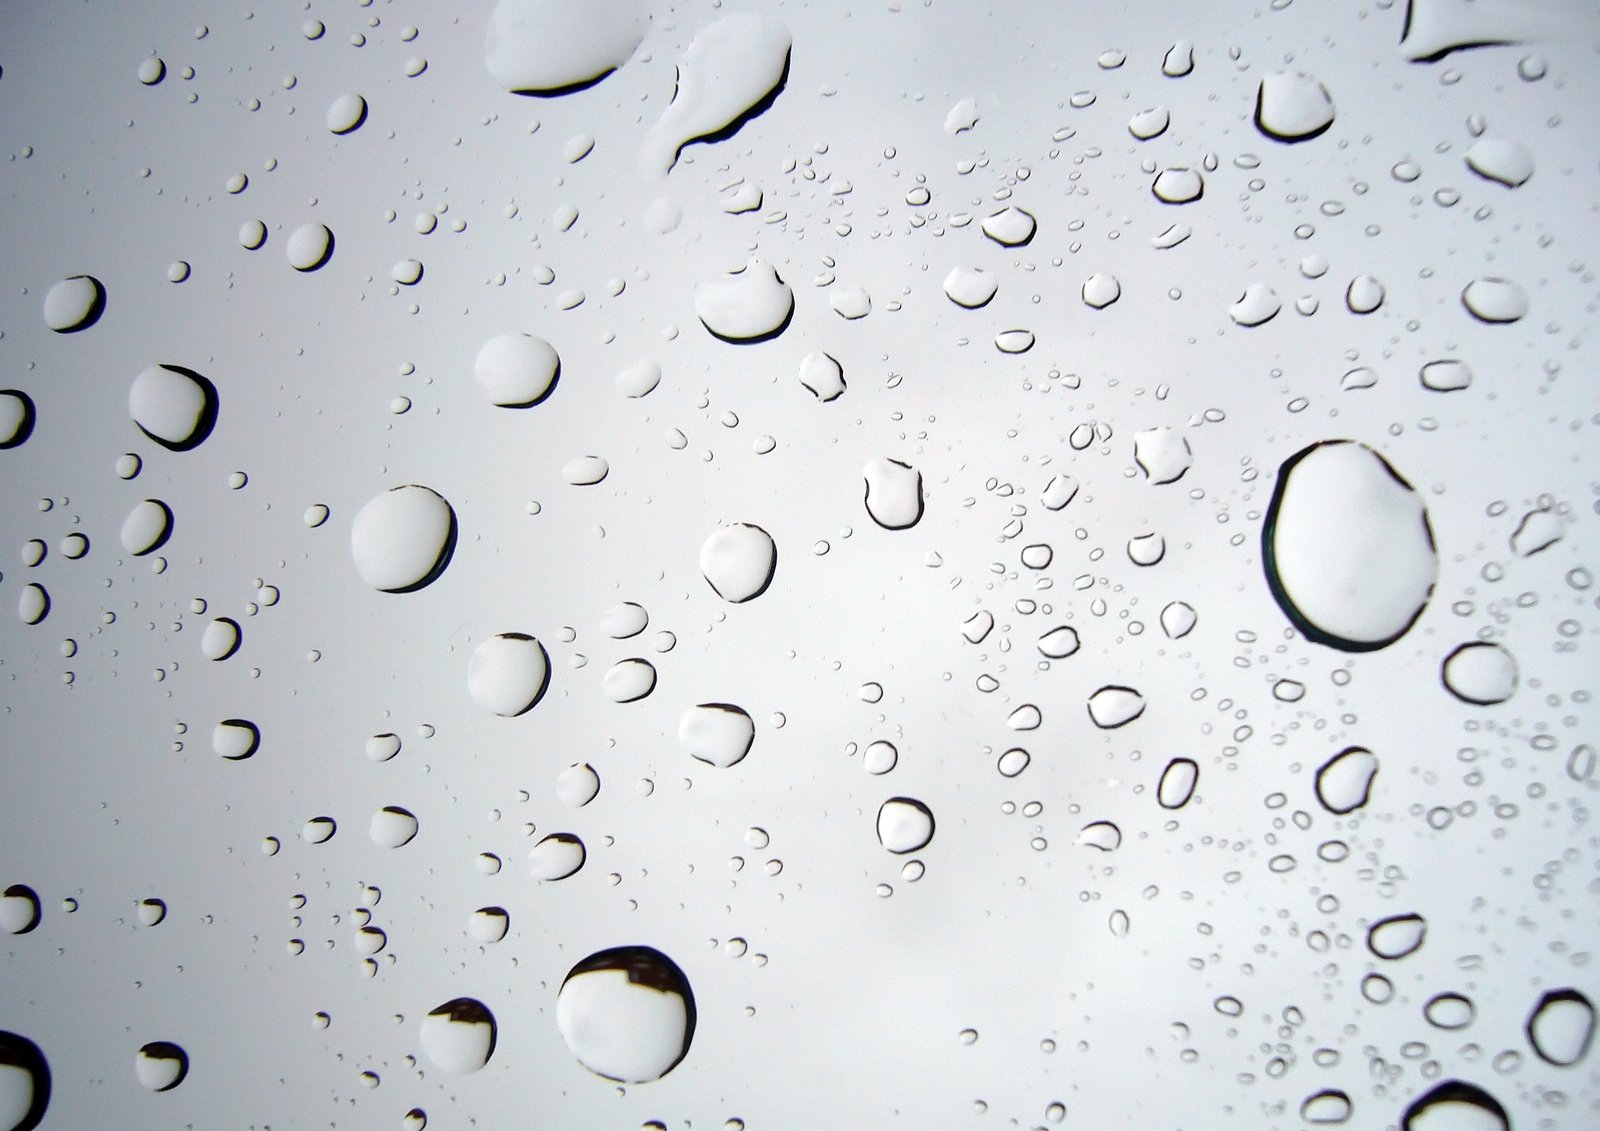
x=776, y=566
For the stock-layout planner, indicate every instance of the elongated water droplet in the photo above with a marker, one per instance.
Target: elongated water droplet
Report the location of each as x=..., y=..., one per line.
x=1177, y=784
x=1495, y=301
x=147, y=527
x=1059, y=643
x=627, y=681
x=1328, y=1106
x=1259, y=304
x=556, y=857
x=1446, y=376
x=1396, y=936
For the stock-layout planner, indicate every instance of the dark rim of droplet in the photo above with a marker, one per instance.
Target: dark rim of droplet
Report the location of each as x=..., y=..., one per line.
x=921, y=503
x=648, y=967
x=1366, y=791
x=97, y=307
x=1473, y=645
x=23, y=891
x=1453, y=998
x=921, y=808
x=446, y=551
x=1556, y=997
x=1124, y=722
x=166, y=1050
x=757, y=108
x=255, y=738
x=1172, y=767
x=1454, y=1091
x=1269, y=557
x=206, y=421
x=16, y=1051
x=24, y=426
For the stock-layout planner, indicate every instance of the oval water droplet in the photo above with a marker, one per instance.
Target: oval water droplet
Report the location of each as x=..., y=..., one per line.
x=577, y=785
x=221, y=639
x=879, y=757
x=1561, y=1026
x=1496, y=301
x=627, y=1014
x=629, y=680
x=517, y=370
x=1455, y=1105
x=174, y=406
x=1178, y=782
x=1396, y=936
x=392, y=827
x=1449, y=1011
x=1114, y=706
x=1347, y=547
x=1059, y=643
x=147, y=527
x=556, y=857
x=1364, y=295
x=1014, y=341
x=17, y=417
x=971, y=287
x=382, y=747
x=1103, y=835
x=1259, y=304
x=1010, y=227
x=319, y=830
x=346, y=113
x=738, y=561
x=893, y=493
x=718, y=733
x=620, y=622
x=1013, y=762
x=1151, y=123
x=1446, y=376
x=75, y=303
x=1326, y=1107
x=402, y=540
x=1178, y=185
x=33, y=603
x=1025, y=717
x=508, y=674
x=309, y=247
x=585, y=471
x=904, y=825
x=1344, y=782
x=458, y=1036
x=1480, y=673
x=638, y=379
x=488, y=924
x=1292, y=107
x=1100, y=290
x=160, y=1066
x=752, y=304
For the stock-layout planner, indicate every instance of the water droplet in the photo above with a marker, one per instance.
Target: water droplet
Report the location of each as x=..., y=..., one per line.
x=508, y=674
x=346, y=114
x=517, y=370
x=1163, y=454
x=1114, y=706
x=627, y=1014
x=961, y=117
x=971, y=287
x=458, y=1036
x=221, y=639
x=1259, y=304
x=1348, y=551
x=1013, y=762
x=24, y=1083
x=547, y=47
x=1480, y=673
x=1178, y=782
x=1538, y=530
x=174, y=406
x=33, y=603
x=382, y=747
x=893, y=493
x=1494, y=300
x=19, y=914
x=1100, y=290
x=1014, y=341
x=1102, y=835
x=1151, y=123
x=488, y=924
x=1496, y=159
x=1449, y=1011
x=733, y=70
x=577, y=785
x=1444, y=376
x=402, y=540
x=1059, y=643
x=904, y=825
x=1364, y=295
x=1178, y=185
x=823, y=375
x=1292, y=107
x=879, y=757
x=392, y=827
x=1455, y=1106
x=638, y=379
x=1060, y=491
x=752, y=304
x=161, y=1066
x=1179, y=60
x=1561, y=1027
x=252, y=235
x=407, y=272
x=309, y=247
x=620, y=622
x=147, y=527
x=75, y=303
x=585, y=471
x=977, y=626
x=151, y=71
x=235, y=739
x=850, y=303
x=319, y=830
x=629, y=680
x=17, y=416
x=1396, y=936
x=718, y=733
x=1010, y=227
x=738, y=561
x=1344, y=782
x=1327, y=1106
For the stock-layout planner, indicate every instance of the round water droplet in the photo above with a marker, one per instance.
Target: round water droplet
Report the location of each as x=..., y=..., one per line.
x=1178, y=782
x=971, y=287
x=629, y=680
x=1013, y=762
x=1344, y=782
x=346, y=114
x=1449, y=1011
x=577, y=785
x=1496, y=301
x=1364, y=295
x=879, y=757
x=74, y=546
x=488, y=924
x=235, y=739
x=550, y=47
x=160, y=1066
x=252, y=235
x=319, y=830
x=1100, y=290
x=718, y=733
x=823, y=375
x=402, y=540
x=517, y=370
x=147, y=527
x=627, y=1014
x=407, y=272
x=1396, y=936
x=382, y=747
x=1010, y=227
x=221, y=639
x=1292, y=107
x=639, y=379
x=174, y=406
x=904, y=825
x=1480, y=673
x=893, y=493
x=1114, y=706
x=73, y=304
x=1561, y=1026
x=556, y=857
x=19, y=909
x=738, y=561
x=309, y=247
x=151, y=71
x=458, y=1036
x=24, y=1083
x=508, y=673
x=392, y=827
x=752, y=304
x=17, y=416
x=1455, y=1106
x=1059, y=643
x=1347, y=547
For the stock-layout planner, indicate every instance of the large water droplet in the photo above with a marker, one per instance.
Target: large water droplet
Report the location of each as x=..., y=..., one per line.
x=221, y=639
x=552, y=47
x=1347, y=547
x=161, y=1066
x=718, y=733
x=402, y=540
x=1501, y=160
x=346, y=113
x=904, y=825
x=33, y=603
x=1396, y=936
x=752, y=304
x=488, y=924
x=24, y=1083
x=893, y=494
x=627, y=1014
x=1178, y=620
x=147, y=527
x=458, y=1036
x=17, y=417
x=1292, y=107
x=1446, y=376
x=733, y=70
x=577, y=785
x=1326, y=1107
x=556, y=857
x=738, y=561
x=1010, y=227
x=235, y=739
x=1480, y=673
x=508, y=673
x=309, y=247
x=1344, y=782
x=518, y=370
x=1364, y=295
x=392, y=827
x=629, y=680
x=1114, y=706
x=971, y=287
x=1495, y=300
x=1178, y=781
x=19, y=909
x=1561, y=1026
x=823, y=375
x=73, y=304
x=174, y=406
x=1455, y=1106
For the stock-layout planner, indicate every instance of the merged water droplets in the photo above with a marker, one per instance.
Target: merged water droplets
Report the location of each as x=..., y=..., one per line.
x=402, y=540
x=627, y=1014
